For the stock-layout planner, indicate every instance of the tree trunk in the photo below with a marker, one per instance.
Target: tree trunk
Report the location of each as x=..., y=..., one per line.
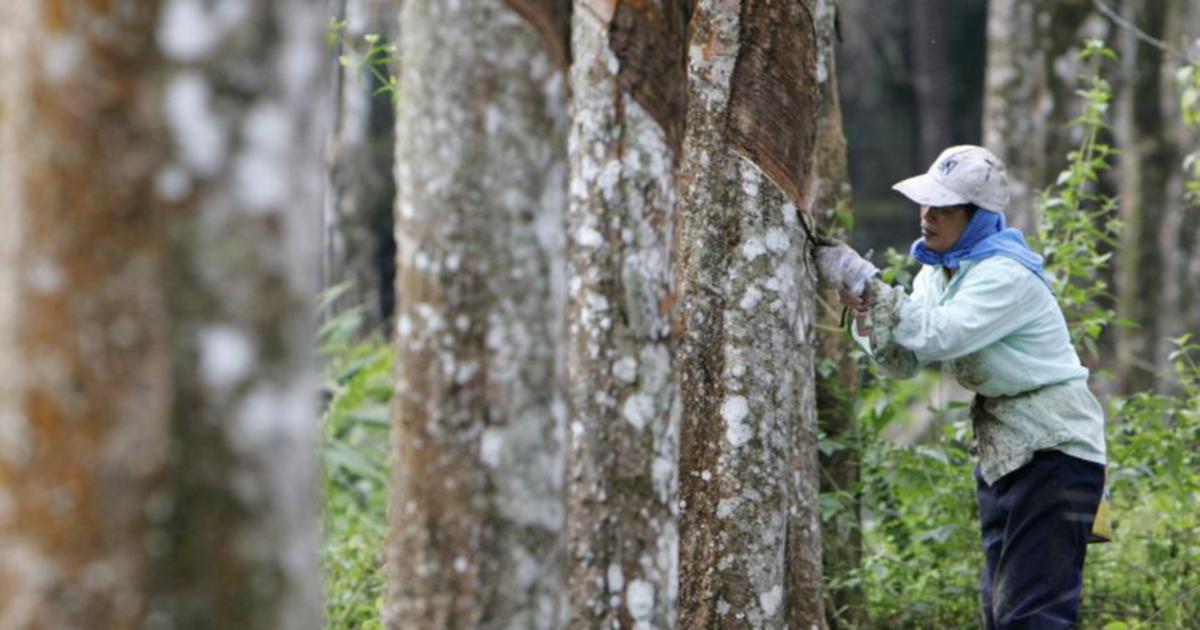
x=932, y=77
x=1180, y=231
x=1148, y=160
x=837, y=371
x=156, y=466
x=359, y=246
x=480, y=403
x=1029, y=94
x=622, y=454
x=750, y=545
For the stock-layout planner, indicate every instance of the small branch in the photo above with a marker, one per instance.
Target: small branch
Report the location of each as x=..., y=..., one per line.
x=1112, y=14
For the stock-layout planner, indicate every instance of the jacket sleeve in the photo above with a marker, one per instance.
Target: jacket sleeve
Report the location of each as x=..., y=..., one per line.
x=894, y=360
x=993, y=302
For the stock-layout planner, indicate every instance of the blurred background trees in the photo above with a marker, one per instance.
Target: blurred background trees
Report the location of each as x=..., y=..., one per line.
x=162, y=167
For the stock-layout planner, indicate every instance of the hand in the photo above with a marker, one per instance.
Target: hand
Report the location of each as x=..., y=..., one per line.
x=859, y=305
x=840, y=266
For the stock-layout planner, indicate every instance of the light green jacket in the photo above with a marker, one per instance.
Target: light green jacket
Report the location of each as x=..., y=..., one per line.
x=998, y=328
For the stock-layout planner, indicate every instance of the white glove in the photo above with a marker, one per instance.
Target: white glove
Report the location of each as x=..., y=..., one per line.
x=841, y=267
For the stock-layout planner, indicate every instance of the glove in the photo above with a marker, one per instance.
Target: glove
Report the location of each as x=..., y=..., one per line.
x=841, y=267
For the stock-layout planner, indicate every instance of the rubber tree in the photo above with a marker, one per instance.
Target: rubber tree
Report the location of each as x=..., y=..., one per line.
x=750, y=549
x=161, y=173
x=1179, y=233
x=359, y=250
x=1029, y=94
x=480, y=400
x=1150, y=190
x=627, y=104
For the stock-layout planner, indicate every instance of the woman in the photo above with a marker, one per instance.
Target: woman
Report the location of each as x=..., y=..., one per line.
x=982, y=306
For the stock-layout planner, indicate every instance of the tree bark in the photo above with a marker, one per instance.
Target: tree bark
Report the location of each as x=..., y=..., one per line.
x=156, y=466
x=479, y=409
x=359, y=246
x=623, y=442
x=749, y=528
x=1179, y=234
x=1029, y=91
x=1148, y=160
x=837, y=371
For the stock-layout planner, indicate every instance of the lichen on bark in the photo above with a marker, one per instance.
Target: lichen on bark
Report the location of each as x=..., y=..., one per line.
x=480, y=406
x=743, y=324
x=623, y=437
x=123, y=191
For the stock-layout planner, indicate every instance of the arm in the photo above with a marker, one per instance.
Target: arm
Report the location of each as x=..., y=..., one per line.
x=993, y=302
x=894, y=360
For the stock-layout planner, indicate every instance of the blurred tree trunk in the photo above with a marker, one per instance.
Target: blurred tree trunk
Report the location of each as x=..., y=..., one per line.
x=1029, y=93
x=1180, y=230
x=627, y=89
x=837, y=371
x=156, y=464
x=750, y=547
x=932, y=77
x=477, y=506
x=1149, y=160
x=359, y=246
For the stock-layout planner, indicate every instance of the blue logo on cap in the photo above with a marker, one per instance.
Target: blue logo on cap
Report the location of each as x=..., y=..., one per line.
x=947, y=166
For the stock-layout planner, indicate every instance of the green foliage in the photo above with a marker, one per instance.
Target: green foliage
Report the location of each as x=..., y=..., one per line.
x=921, y=569
x=1077, y=222
x=372, y=54
x=1188, y=77
x=357, y=381
x=1151, y=576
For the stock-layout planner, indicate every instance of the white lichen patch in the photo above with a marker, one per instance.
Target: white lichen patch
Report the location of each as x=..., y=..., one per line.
x=199, y=133
x=172, y=183
x=625, y=369
x=491, y=447
x=187, y=31
x=466, y=371
x=61, y=56
x=615, y=577
x=270, y=416
x=261, y=169
x=44, y=276
x=770, y=601
x=588, y=237
x=753, y=248
x=662, y=474
x=638, y=410
x=734, y=411
x=750, y=183
x=640, y=599
x=227, y=355
x=750, y=298
x=777, y=240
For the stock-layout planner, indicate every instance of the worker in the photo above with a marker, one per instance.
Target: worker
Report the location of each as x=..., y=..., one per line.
x=983, y=307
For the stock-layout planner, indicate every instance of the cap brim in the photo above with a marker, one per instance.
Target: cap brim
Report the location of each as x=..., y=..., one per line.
x=926, y=191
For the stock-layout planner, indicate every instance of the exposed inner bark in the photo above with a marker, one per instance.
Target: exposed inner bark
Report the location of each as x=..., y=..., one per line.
x=650, y=41
x=552, y=20
x=773, y=93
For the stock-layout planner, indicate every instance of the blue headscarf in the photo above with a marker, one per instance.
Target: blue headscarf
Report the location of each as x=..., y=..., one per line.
x=985, y=236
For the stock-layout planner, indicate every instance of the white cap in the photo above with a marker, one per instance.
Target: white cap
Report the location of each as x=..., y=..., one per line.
x=962, y=174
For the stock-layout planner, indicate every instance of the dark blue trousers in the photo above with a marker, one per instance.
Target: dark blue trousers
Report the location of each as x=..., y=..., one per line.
x=1035, y=523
